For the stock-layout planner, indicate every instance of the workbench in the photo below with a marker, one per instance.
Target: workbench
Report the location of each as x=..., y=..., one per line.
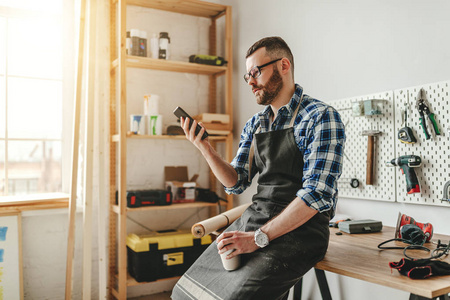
x=357, y=256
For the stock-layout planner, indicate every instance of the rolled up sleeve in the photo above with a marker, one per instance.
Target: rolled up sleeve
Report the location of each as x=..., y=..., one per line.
x=323, y=157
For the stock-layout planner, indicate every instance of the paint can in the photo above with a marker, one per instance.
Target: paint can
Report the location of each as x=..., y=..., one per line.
x=137, y=124
x=151, y=105
x=155, y=125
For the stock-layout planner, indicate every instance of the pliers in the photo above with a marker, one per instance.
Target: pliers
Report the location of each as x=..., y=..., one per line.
x=423, y=107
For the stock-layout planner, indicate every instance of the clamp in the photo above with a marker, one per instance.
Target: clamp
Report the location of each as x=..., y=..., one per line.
x=446, y=196
x=423, y=107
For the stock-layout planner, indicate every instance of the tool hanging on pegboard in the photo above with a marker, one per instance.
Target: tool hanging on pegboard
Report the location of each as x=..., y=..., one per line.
x=423, y=106
x=446, y=196
x=406, y=134
x=406, y=164
x=371, y=134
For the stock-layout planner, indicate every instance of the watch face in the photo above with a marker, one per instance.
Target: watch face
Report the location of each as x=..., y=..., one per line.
x=261, y=239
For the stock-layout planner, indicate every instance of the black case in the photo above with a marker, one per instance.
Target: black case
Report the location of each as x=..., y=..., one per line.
x=141, y=198
x=360, y=226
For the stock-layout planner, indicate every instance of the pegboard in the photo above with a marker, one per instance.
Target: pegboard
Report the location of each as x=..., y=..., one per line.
x=435, y=152
x=355, y=162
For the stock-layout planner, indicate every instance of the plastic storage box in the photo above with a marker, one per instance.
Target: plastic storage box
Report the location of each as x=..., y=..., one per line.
x=163, y=254
x=141, y=198
x=360, y=226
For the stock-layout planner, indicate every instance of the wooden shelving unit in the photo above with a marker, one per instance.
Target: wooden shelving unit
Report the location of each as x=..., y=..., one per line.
x=119, y=279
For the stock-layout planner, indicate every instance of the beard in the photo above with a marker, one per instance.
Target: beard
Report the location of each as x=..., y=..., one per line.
x=271, y=89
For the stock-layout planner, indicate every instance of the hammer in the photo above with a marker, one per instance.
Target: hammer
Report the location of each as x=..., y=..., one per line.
x=370, y=153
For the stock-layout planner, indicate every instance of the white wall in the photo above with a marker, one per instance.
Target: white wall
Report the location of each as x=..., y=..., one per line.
x=343, y=49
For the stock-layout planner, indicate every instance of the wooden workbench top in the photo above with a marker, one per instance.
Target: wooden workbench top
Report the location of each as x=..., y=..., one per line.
x=357, y=256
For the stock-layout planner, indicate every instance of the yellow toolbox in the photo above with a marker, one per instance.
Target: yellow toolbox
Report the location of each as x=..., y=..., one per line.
x=163, y=254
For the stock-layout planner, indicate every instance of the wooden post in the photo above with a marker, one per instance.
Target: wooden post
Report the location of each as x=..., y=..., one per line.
x=112, y=154
x=122, y=165
x=74, y=167
x=88, y=152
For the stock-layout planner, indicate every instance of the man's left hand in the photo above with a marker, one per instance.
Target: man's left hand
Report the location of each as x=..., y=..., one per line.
x=241, y=242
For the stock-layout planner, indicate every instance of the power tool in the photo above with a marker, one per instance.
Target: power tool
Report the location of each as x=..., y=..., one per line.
x=403, y=220
x=207, y=60
x=406, y=164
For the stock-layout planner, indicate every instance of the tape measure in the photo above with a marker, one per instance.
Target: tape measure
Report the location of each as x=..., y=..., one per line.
x=207, y=60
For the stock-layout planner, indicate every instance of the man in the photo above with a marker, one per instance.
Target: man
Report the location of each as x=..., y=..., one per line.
x=298, y=143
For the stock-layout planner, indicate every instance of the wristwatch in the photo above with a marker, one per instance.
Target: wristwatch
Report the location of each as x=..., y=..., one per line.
x=261, y=239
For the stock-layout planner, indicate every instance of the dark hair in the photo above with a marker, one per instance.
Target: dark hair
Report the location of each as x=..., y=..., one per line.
x=275, y=46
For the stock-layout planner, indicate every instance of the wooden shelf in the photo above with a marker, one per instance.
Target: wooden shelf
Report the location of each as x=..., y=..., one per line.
x=167, y=207
x=189, y=7
x=115, y=138
x=132, y=282
x=119, y=280
x=170, y=66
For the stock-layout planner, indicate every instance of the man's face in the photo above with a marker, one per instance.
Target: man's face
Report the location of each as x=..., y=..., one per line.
x=267, y=86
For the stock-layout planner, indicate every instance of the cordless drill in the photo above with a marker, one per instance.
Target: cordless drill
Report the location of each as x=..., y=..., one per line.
x=406, y=164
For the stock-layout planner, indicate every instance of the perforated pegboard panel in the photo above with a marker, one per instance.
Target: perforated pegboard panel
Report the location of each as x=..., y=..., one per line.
x=355, y=163
x=435, y=152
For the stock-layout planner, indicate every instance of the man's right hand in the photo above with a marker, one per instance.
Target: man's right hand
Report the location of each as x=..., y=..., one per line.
x=223, y=171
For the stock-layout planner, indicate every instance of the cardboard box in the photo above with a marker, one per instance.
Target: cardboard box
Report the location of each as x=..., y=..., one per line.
x=163, y=254
x=213, y=118
x=216, y=124
x=182, y=188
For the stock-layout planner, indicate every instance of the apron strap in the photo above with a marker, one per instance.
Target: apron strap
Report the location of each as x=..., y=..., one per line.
x=295, y=112
x=252, y=147
x=252, y=154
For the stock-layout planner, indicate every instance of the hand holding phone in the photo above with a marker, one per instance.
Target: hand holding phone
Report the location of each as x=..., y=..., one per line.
x=179, y=112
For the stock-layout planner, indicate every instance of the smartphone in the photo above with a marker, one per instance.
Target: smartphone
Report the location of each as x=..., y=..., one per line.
x=179, y=112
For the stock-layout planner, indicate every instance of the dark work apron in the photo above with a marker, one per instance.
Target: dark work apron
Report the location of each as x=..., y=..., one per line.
x=270, y=272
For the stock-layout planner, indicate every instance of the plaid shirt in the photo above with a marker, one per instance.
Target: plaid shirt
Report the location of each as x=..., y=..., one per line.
x=320, y=137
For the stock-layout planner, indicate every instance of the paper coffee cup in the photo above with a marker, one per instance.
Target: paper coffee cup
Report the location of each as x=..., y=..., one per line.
x=230, y=264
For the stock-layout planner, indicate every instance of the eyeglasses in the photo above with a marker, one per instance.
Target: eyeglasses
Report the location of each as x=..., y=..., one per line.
x=255, y=72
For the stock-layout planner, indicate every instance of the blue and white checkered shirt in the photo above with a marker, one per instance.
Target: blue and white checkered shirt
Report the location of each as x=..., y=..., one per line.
x=320, y=137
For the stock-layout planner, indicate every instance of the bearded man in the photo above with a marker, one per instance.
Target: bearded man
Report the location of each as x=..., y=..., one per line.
x=296, y=146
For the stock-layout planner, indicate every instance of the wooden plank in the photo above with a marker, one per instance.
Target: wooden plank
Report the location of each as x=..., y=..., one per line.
x=132, y=282
x=37, y=205
x=64, y=204
x=170, y=66
x=75, y=144
x=229, y=58
x=100, y=197
x=189, y=7
x=174, y=206
x=88, y=151
x=115, y=138
x=122, y=146
x=357, y=256
x=19, y=223
x=112, y=230
x=229, y=158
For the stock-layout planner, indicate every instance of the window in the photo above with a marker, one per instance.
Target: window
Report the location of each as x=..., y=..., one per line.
x=31, y=96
